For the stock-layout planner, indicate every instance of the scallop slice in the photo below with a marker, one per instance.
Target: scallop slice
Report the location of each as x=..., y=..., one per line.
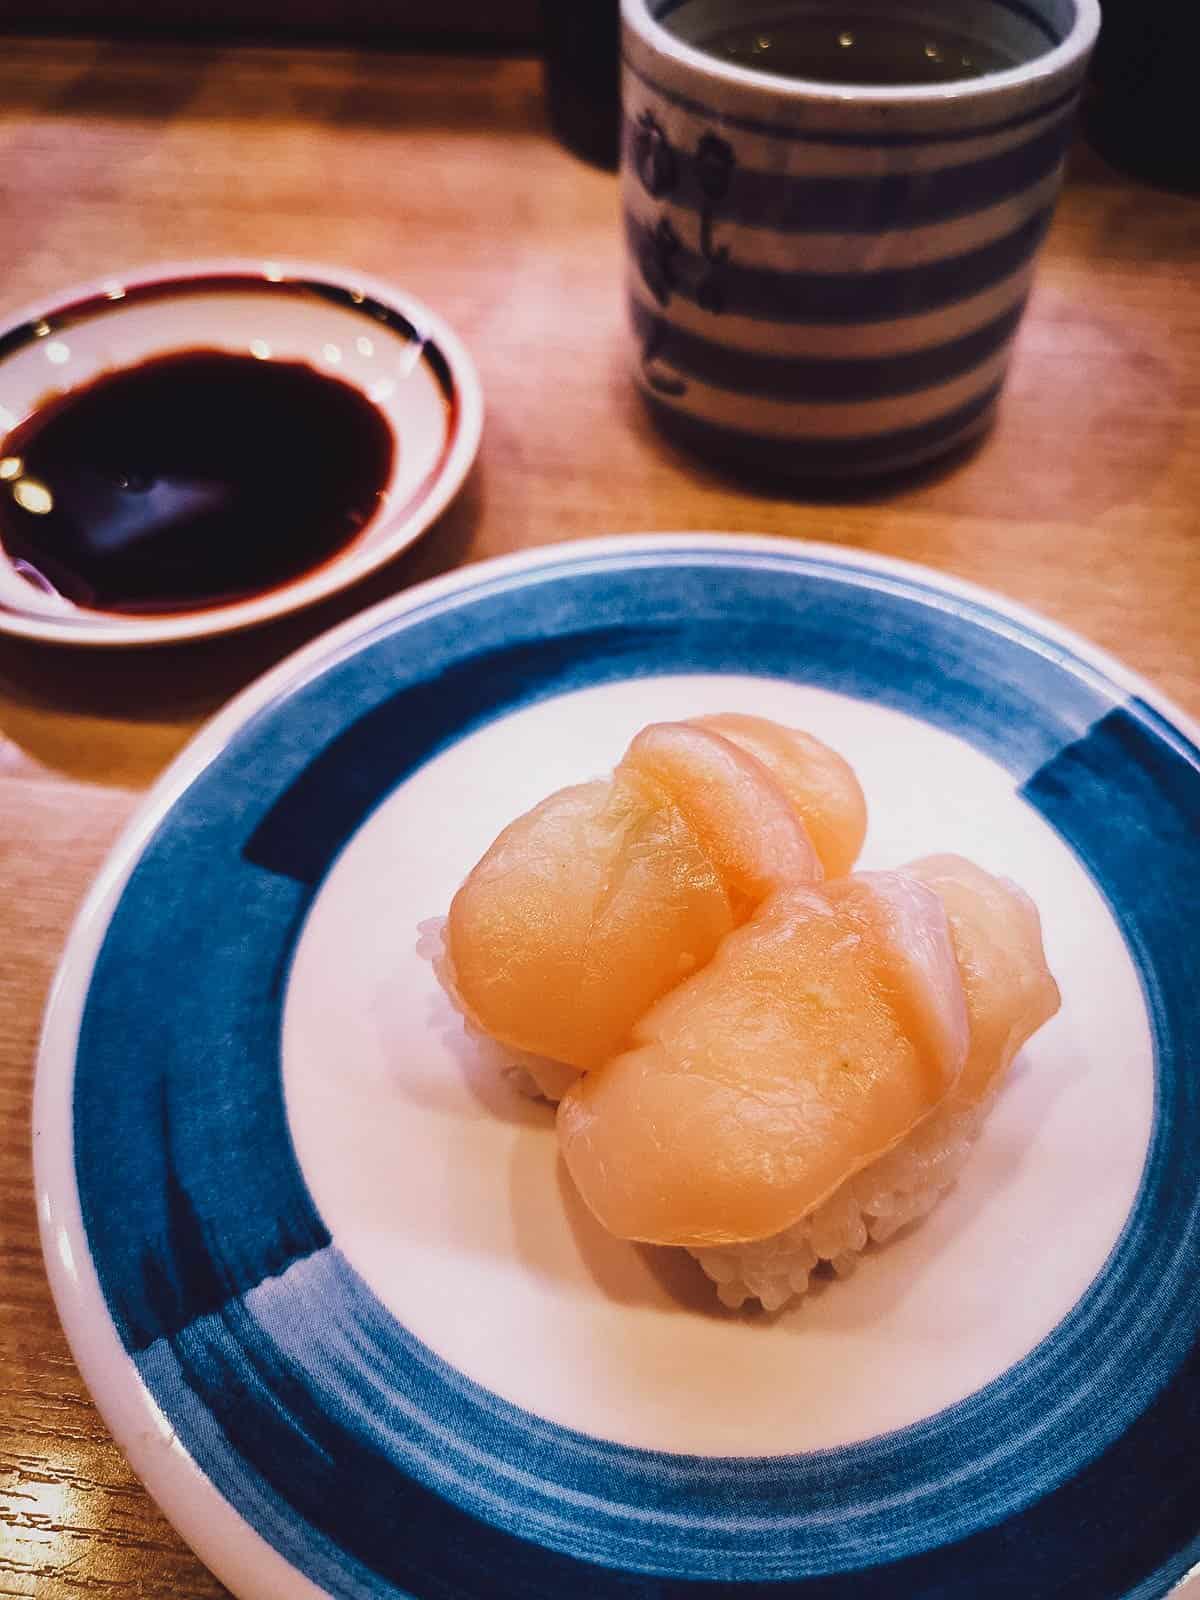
x=602, y=898
x=1009, y=988
x=742, y=816
x=580, y=915
x=821, y=786
x=816, y=1038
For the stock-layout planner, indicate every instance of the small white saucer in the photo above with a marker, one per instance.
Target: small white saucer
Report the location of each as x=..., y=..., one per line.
x=364, y=331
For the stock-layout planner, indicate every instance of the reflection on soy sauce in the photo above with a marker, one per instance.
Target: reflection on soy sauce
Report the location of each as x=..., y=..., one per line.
x=189, y=480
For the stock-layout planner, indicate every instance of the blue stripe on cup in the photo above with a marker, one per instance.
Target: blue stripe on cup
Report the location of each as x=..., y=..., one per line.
x=794, y=203
x=881, y=296
x=844, y=341
x=818, y=378
x=872, y=454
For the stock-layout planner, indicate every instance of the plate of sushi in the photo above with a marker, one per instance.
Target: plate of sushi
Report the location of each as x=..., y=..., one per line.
x=661, y=1066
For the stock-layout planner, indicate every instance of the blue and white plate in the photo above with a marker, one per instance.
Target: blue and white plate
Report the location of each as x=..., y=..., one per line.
x=322, y=1270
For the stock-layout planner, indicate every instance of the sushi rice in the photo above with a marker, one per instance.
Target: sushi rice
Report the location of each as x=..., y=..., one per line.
x=900, y=1187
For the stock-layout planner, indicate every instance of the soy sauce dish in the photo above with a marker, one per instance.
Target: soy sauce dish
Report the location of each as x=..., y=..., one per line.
x=200, y=449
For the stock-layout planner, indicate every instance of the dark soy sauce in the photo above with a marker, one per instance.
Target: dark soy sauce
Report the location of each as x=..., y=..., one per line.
x=849, y=47
x=191, y=480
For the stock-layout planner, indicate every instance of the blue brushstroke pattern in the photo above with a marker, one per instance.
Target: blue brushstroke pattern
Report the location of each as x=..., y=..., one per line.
x=819, y=378
x=454, y=673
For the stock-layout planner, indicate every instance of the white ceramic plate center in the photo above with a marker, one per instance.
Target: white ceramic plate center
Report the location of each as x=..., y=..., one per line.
x=444, y=1189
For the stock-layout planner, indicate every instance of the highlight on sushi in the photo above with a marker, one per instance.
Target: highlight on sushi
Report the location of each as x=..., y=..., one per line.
x=757, y=1054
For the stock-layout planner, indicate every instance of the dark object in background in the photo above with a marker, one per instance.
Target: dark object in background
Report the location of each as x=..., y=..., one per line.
x=580, y=41
x=457, y=23
x=1140, y=112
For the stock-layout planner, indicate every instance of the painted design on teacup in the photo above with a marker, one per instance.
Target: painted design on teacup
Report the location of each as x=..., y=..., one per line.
x=659, y=261
x=715, y=162
x=657, y=166
x=653, y=157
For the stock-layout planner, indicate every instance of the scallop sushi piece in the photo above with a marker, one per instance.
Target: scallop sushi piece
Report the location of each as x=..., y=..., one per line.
x=818, y=1036
x=774, y=1083
x=598, y=901
x=578, y=917
x=1010, y=993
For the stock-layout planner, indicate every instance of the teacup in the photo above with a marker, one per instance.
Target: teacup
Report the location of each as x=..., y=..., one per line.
x=825, y=279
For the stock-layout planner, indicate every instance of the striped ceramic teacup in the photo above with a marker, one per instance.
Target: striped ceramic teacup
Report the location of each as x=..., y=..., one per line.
x=826, y=279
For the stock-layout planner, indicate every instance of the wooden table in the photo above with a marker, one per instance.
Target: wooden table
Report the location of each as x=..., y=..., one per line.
x=439, y=173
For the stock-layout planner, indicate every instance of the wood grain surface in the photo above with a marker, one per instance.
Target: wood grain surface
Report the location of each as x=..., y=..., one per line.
x=439, y=173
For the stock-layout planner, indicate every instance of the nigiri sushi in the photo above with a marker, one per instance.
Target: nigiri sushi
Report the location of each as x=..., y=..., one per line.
x=757, y=1054
x=820, y=1082
x=598, y=901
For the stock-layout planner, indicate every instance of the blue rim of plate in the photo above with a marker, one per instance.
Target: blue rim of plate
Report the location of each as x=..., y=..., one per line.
x=357, y=1454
